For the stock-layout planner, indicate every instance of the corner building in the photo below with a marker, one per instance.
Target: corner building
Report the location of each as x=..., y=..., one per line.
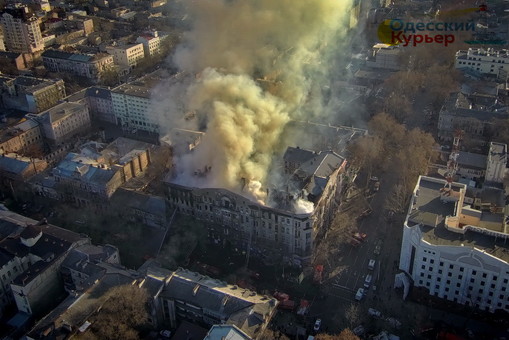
x=456, y=252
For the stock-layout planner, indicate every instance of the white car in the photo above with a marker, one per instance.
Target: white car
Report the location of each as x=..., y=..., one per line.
x=360, y=294
x=318, y=324
x=371, y=264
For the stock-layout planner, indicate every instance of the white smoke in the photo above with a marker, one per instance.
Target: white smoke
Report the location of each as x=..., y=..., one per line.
x=302, y=206
x=253, y=64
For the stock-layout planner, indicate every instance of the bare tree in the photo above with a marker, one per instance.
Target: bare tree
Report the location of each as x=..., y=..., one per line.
x=122, y=314
x=346, y=334
x=352, y=314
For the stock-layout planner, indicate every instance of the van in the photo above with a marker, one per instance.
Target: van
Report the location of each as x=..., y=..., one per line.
x=367, y=280
x=371, y=264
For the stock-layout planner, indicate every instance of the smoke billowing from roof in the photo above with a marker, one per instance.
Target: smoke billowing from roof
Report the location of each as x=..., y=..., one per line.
x=254, y=66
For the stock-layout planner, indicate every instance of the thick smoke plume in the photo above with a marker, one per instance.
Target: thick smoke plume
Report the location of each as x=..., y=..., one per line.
x=253, y=66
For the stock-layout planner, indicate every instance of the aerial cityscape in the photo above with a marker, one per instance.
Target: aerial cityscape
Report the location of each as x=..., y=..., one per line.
x=254, y=169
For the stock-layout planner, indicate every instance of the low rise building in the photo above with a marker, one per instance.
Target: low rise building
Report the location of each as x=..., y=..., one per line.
x=63, y=122
x=485, y=61
x=16, y=169
x=455, y=247
x=22, y=137
x=128, y=55
x=385, y=56
x=11, y=61
x=471, y=165
x=189, y=295
x=84, y=65
x=90, y=179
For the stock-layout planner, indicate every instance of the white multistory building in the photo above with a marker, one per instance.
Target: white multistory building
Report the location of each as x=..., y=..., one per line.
x=456, y=247
x=128, y=55
x=21, y=30
x=490, y=60
x=152, y=42
x=131, y=105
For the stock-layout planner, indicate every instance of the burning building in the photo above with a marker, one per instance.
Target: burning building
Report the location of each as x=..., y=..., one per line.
x=296, y=209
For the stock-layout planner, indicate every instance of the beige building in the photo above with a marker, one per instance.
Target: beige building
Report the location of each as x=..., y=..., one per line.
x=284, y=229
x=89, y=179
x=128, y=55
x=21, y=30
x=21, y=137
x=64, y=121
x=84, y=65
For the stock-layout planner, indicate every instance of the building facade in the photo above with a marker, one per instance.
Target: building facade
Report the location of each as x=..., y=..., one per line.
x=131, y=106
x=84, y=65
x=151, y=43
x=497, y=163
x=127, y=56
x=456, y=251
x=21, y=30
x=31, y=94
x=270, y=232
x=31, y=258
x=486, y=61
x=21, y=137
x=64, y=121
x=100, y=104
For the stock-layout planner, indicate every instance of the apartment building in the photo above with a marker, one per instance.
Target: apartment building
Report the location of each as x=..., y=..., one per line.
x=30, y=256
x=31, y=94
x=64, y=121
x=100, y=104
x=85, y=65
x=485, y=61
x=281, y=230
x=21, y=30
x=455, y=247
x=131, y=103
x=152, y=42
x=128, y=55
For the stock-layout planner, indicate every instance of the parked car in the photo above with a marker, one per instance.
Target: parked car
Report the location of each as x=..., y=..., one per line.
x=375, y=313
x=359, y=330
x=360, y=294
x=318, y=324
x=367, y=281
x=371, y=264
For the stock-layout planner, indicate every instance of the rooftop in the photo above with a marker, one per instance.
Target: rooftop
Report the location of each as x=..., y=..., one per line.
x=472, y=160
x=87, y=170
x=61, y=111
x=76, y=57
x=431, y=208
